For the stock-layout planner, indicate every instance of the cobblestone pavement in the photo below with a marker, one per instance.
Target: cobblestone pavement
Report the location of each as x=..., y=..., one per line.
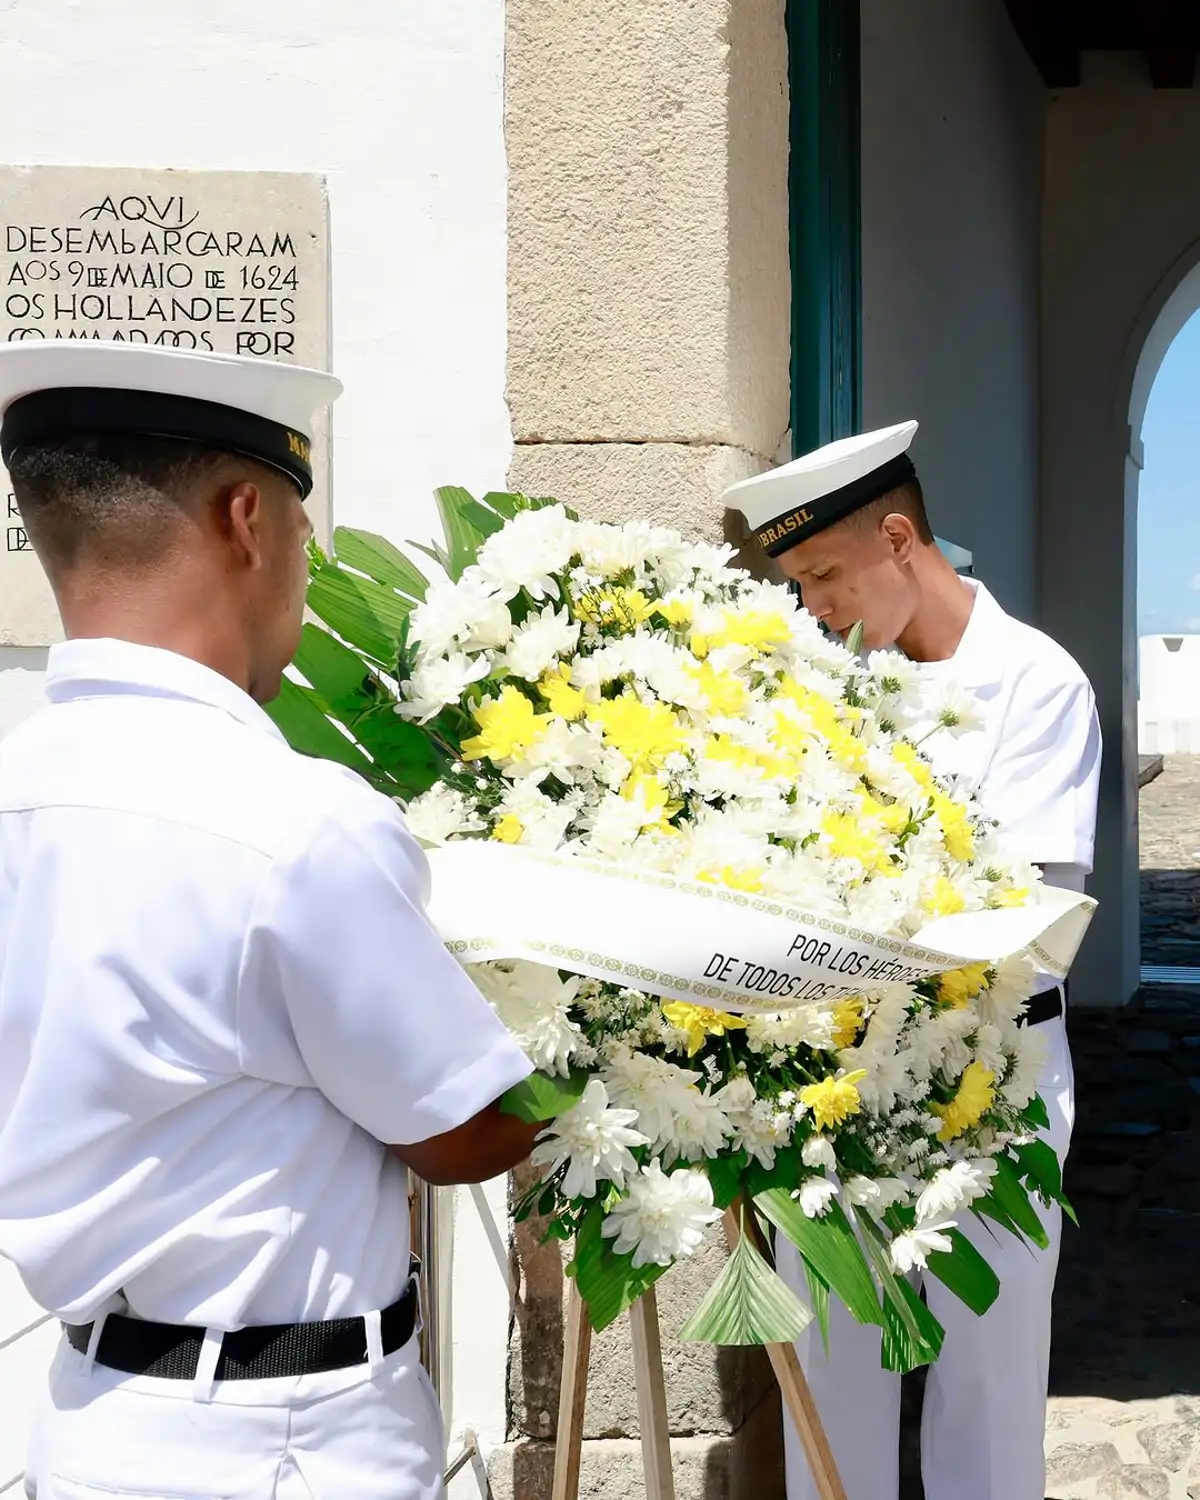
x=1124, y=1417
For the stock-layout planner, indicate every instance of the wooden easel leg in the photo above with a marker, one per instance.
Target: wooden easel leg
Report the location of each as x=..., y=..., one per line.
x=792, y=1385
x=652, y=1398
x=572, y=1396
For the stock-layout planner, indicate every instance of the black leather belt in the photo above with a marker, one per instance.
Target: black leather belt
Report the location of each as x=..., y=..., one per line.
x=1046, y=1006
x=171, y=1351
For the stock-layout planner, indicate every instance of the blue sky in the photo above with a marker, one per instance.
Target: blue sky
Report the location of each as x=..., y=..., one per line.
x=1169, y=494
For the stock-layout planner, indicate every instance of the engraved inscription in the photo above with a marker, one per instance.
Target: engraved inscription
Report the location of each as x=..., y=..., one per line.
x=219, y=262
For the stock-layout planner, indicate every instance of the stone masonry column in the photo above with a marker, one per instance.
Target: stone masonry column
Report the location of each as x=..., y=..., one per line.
x=649, y=305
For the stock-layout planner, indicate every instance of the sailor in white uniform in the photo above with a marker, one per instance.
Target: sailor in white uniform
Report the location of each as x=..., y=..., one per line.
x=226, y=1025
x=848, y=524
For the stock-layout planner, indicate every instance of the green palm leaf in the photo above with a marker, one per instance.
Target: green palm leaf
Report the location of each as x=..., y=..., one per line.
x=747, y=1304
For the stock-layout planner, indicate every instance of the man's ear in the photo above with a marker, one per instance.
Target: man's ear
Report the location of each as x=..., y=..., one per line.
x=243, y=516
x=901, y=535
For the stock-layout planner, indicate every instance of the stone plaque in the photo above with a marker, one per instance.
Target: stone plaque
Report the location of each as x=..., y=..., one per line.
x=235, y=262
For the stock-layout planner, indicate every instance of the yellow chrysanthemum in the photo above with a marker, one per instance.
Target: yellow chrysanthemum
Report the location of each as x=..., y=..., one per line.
x=893, y=816
x=848, y=839
x=956, y=827
x=645, y=733
x=565, y=701
x=1016, y=895
x=723, y=748
x=749, y=881
x=846, y=748
x=847, y=1020
x=509, y=829
x=723, y=692
x=611, y=605
x=909, y=757
x=757, y=629
x=833, y=1099
x=945, y=900
x=654, y=798
x=820, y=712
x=960, y=986
x=507, y=726
x=789, y=733
x=976, y=1091
x=678, y=612
x=700, y=1022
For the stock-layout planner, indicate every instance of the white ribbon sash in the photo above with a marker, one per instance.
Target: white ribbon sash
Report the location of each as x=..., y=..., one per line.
x=685, y=940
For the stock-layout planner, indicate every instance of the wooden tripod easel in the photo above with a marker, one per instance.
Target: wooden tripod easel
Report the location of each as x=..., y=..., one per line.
x=652, y=1395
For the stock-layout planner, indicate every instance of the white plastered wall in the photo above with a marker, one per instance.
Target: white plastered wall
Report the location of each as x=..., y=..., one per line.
x=401, y=107
x=952, y=123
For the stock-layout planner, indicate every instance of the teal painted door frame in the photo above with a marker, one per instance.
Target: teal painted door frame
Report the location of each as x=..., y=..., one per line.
x=824, y=210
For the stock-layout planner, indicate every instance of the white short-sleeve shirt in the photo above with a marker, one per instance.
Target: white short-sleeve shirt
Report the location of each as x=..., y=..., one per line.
x=219, y=994
x=1034, y=760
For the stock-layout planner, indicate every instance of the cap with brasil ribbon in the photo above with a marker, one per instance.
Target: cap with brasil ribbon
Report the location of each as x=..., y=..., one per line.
x=785, y=506
x=262, y=409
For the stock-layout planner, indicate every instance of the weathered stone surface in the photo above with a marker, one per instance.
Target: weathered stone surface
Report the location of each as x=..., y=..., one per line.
x=649, y=284
x=746, y=1467
x=1135, y=1482
x=1072, y=1462
x=708, y=1390
x=675, y=484
x=1169, y=1445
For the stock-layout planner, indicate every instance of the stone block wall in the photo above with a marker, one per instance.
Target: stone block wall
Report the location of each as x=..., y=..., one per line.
x=649, y=339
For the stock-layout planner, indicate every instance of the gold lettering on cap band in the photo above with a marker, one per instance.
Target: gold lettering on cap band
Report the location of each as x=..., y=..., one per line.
x=298, y=446
x=784, y=527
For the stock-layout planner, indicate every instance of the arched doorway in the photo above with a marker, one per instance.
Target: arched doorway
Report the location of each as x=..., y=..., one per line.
x=1164, y=385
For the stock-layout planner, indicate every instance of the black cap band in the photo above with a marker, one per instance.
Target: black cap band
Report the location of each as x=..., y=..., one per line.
x=802, y=521
x=53, y=415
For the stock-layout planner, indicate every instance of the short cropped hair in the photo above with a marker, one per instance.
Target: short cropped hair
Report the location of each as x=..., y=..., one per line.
x=907, y=500
x=107, y=498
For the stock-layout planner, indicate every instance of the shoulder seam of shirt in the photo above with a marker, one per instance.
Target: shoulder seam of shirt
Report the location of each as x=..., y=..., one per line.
x=134, y=812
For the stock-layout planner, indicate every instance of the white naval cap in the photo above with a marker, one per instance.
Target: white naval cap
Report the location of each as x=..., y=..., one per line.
x=56, y=389
x=785, y=506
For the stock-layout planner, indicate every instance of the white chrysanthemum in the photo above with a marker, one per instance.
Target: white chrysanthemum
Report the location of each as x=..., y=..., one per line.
x=953, y=710
x=662, y=1216
x=1028, y=1063
x=679, y=567
x=572, y=752
x=953, y=1188
x=911, y=1251
x=1010, y=989
x=539, y=641
x=679, y=1118
x=528, y=552
x=816, y=1196
x=544, y=821
x=615, y=824
x=593, y=1139
x=877, y=1193
x=534, y=1003
x=818, y=1151
x=437, y=681
x=700, y=1128
x=803, y=1026
x=992, y=1050
x=468, y=612
x=759, y=1128
x=901, y=683
x=440, y=814
x=608, y=550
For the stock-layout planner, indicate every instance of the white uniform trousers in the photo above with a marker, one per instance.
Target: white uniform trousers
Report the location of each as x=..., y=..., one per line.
x=983, y=1429
x=344, y=1435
